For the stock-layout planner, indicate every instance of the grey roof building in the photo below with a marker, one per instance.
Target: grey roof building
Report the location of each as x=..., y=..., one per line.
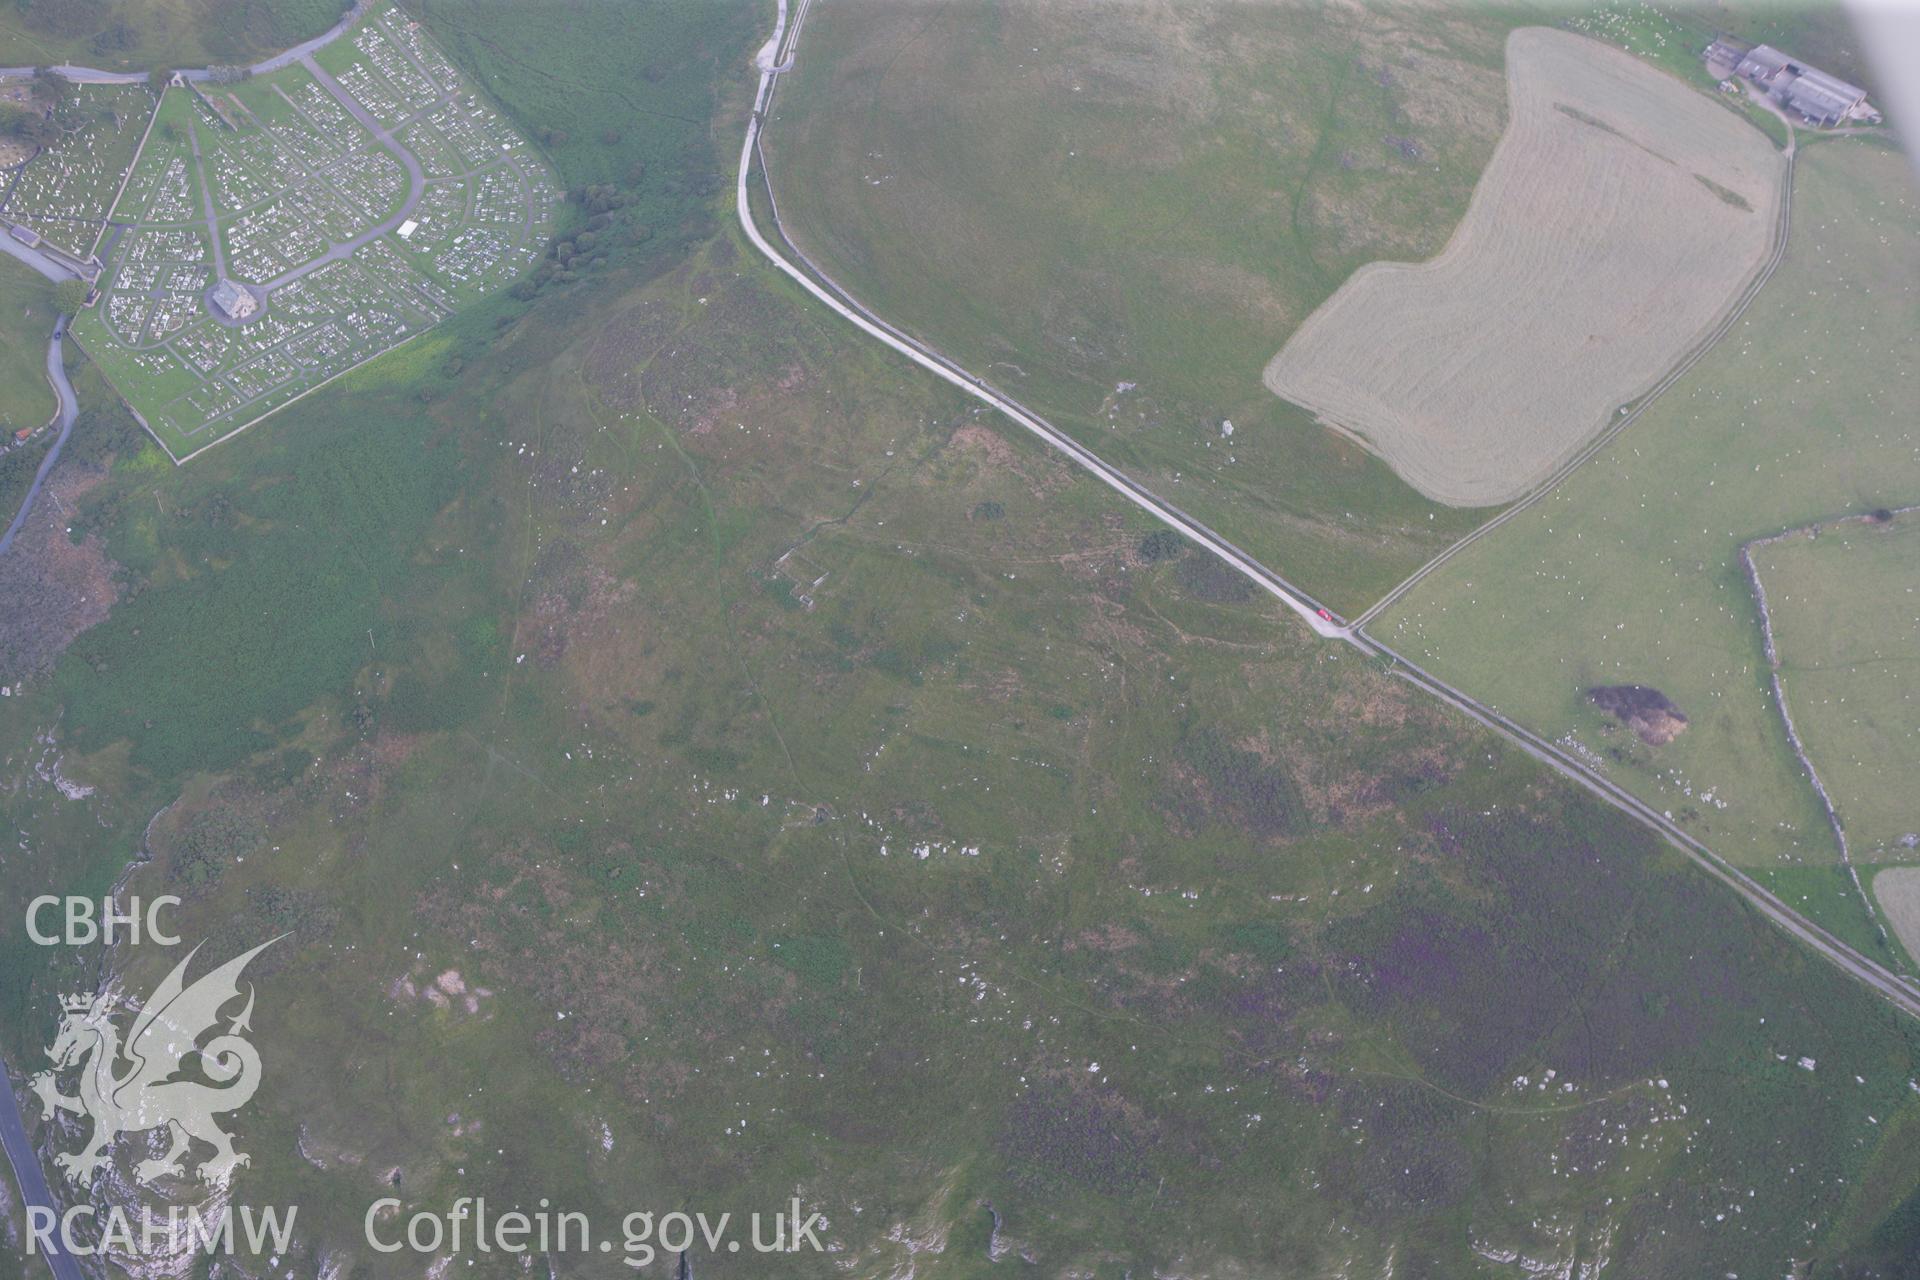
x=1816, y=96
x=1725, y=53
x=234, y=302
x=1821, y=97
x=1762, y=63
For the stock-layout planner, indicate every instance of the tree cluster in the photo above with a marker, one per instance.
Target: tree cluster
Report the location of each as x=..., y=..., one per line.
x=24, y=124
x=70, y=295
x=49, y=87
x=590, y=248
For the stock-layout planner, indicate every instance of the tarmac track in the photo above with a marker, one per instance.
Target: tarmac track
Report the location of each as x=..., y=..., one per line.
x=32, y=1181
x=777, y=57
x=68, y=410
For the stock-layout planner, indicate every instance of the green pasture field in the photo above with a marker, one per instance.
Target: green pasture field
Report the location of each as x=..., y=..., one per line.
x=338, y=56
x=138, y=35
x=1629, y=573
x=1120, y=217
x=26, y=322
x=1846, y=622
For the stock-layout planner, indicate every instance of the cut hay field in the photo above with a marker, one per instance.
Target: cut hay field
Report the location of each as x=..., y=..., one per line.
x=1846, y=625
x=1622, y=216
x=1897, y=889
x=1629, y=571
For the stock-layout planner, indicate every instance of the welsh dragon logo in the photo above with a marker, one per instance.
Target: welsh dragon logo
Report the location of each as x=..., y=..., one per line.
x=147, y=1095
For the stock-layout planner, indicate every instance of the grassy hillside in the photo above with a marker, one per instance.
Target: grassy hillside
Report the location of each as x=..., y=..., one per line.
x=704, y=761
x=1844, y=618
x=143, y=34
x=1120, y=214
x=26, y=321
x=896, y=825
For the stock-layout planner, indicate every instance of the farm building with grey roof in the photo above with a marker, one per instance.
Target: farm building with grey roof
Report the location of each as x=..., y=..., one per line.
x=1812, y=94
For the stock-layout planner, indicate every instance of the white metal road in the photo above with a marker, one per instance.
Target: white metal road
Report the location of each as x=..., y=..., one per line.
x=777, y=57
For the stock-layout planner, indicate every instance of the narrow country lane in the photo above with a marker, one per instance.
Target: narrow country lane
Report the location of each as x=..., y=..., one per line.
x=31, y=1180
x=68, y=411
x=821, y=286
x=778, y=55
